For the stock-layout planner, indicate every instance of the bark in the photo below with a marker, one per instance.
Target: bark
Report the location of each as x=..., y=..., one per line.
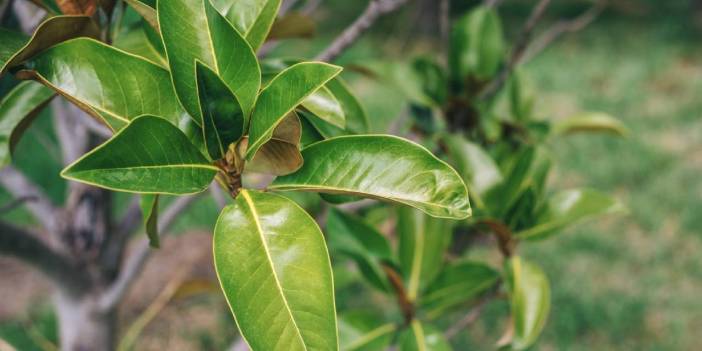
x=83, y=326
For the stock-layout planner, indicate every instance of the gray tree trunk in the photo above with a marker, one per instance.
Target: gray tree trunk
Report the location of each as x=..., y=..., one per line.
x=82, y=325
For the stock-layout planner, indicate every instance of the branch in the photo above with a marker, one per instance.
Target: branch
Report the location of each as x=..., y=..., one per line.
x=24, y=246
x=491, y=3
x=73, y=136
x=373, y=11
x=133, y=264
x=517, y=51
x=565, y=26
x=21, y=188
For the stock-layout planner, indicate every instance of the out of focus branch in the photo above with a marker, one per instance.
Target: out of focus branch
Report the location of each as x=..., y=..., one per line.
x=133, y=264
x=23, y=245
x=491, y=3
x=563, y=27
x=518, y=51
x=21, y=188
x=374, y=10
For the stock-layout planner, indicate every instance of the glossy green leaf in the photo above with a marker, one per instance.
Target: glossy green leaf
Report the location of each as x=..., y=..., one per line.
x=293, y=25
x=350, y=236
x=382, y=167
x=136, y=41
x=477, y=168
x=149, y=211
x=530, y=297
x=285, y=92
x=149, y=156
x=500, y=198
x=359, y=331
x=17, y=111
x=108, y=83
x=252, y=18
x=423, y=241
x=591, y=122
x=275, y=272
x=281, y=154
x=146, y=10
x=194, y=30
x=15, y=48
x=458, y=283
x=477, y=45
x=324, y=105
x=568, y=207
x=222, y=117
x=419, y=337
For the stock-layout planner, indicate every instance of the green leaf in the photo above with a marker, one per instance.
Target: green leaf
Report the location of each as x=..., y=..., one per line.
x=360, y=331
x=568, y=207
x=423, y=240
x=382, y=167
x=149, y=210
x=477, y=168
x=354, y=114
x=281, y=154
x=137, y=42
x=458, y=283
x=15, y=48
x=324, y=105
x=17, y=111
x=591, y=122
x=194, y=30
x=420, y=337
x=149, y=156
x=110, y=84
x=293, y=25
x=285, y=92
x=433, y=81
x=252, y=18
x=530, y=297
x=350, y=236
x=223, y=120
x=146, y=10
x=477, y=45
x=275, y=272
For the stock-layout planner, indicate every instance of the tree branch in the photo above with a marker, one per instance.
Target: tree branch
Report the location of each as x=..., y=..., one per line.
x=21, y=188
x=72, y=136
x=517, y=51
x=562, y=27
x=374, y=10
x=133, y=264
x=24, y=246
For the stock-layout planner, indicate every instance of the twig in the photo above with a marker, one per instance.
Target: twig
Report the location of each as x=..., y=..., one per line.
x=16, y=203
x=20, y=187
x=373, y=11
x=517, y=51
x=23, y=245
x=133, y=264
x=562, y=27
x=406, y=305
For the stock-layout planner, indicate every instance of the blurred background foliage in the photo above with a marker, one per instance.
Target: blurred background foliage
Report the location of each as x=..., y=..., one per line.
x=623, y=283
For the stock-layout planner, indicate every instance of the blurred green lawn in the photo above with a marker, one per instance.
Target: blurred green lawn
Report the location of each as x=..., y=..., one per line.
x=621, y=283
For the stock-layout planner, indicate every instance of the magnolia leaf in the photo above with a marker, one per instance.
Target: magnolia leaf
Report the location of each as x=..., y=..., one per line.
x=113, y=86
x=350, y=236
x=310, y=135
x=18, y=108
x=285, y=92
x=569, y=207
x=360, y=331
x=137, y=42
x=252, y=18
x=280, y=155
x=149, y=156
x=530, y=297
x=433, y=81
x=383, y=167
x=477, y=168
x=324, y=105
x=458, y=283
x=423, y=240
x=15, y=48
x=293, y=25
x=77, y=7
x=420, y=337
x=591, y=122
x=275, y=272
x=477, y=45
x=147, y=12
x=222, y=117
x=194, y=30
x=149, y=211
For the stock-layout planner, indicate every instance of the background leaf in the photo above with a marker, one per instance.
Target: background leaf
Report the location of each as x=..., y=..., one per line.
x=477, y=45
x=359, y=331
x=382, y=167
x=149, y=211
x=273, y=266
x=590, y=122
x=150, y=156
x=458, y=283
x=530, y=297
x=420, y=337
x=252, y=18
